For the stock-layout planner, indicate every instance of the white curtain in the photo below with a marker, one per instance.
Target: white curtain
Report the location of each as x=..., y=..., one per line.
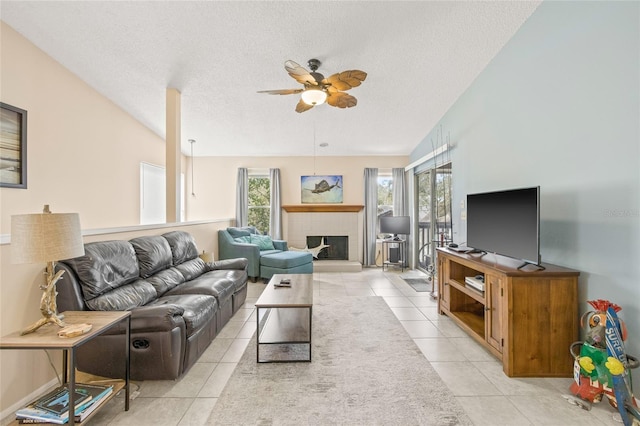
x=370, y=215
x=399, y=197
x=242, y=197
x=275, y=205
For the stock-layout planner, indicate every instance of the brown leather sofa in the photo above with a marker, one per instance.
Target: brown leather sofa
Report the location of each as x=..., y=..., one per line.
x=178, y=302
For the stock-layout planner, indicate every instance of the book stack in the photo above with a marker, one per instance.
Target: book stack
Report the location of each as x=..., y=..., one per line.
x=54, y=406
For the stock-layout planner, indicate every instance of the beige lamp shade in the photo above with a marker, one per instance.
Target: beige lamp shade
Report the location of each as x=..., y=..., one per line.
x=45, y=237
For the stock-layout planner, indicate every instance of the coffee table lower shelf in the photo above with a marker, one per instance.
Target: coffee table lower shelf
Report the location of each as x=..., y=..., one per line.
x=284, y=334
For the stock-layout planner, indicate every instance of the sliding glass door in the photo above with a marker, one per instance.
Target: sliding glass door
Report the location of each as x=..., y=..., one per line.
x=433, y=211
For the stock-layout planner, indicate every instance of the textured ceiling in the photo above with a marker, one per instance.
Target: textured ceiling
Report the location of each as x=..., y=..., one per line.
x=419, y=56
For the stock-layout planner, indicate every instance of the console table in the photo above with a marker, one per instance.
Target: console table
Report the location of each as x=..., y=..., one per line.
x=47, y=338
x=526, y=317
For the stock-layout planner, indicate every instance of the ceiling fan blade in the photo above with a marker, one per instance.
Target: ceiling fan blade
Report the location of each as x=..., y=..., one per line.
x=341, y=100
x=300, y=74
x=281, y=91
x=302, y=106
x=346, y=80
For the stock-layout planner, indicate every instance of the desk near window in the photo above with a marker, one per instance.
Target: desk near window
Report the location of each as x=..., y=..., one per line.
x=394, y=253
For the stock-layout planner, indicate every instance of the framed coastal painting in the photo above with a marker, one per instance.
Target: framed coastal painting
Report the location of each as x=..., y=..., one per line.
x=13, y=146
x=321, y=189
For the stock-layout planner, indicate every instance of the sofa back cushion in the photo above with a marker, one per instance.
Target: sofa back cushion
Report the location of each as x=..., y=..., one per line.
x=106, y=265
x=244, y=231
x=183, y=246
x=153, y=253
x=124, y=298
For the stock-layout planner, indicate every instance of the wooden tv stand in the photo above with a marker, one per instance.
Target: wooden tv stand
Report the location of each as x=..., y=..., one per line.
x=526, y=317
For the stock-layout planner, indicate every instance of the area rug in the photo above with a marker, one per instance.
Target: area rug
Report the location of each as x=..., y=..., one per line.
x=419, y=284
x=365, y=370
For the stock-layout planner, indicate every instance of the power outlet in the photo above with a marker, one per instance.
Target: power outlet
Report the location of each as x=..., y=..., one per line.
x=463, y=215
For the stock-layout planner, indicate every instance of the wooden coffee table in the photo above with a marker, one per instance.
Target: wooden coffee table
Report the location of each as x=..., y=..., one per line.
x=284, y=320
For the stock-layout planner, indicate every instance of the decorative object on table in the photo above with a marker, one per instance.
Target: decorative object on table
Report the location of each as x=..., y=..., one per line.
x=321, y=189
x=13, y=149
x=74, y=330
x=317, y=89
x=206, y=256
x=46, y=237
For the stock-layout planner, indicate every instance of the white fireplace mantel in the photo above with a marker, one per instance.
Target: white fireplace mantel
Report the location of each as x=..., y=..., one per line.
x=323, y=208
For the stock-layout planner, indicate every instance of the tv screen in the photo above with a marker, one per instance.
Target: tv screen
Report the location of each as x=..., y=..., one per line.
x=506, y=223
x=395, y=225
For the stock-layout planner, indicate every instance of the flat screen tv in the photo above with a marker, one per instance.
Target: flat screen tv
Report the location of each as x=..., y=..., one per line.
x=506, y=223
x=395, y=225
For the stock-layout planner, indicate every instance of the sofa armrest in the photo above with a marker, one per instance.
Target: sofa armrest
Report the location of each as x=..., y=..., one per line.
x=280, y=245
x=230, y=249
x=156, y=318
x=239, y=264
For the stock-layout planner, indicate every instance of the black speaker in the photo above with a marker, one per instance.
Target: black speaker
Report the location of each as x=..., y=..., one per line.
x=394, y=254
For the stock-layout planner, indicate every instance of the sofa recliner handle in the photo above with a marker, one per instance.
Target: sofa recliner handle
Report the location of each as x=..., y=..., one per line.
x=140, y=344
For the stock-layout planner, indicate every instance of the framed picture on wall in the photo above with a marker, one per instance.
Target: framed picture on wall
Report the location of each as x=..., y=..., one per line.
x=321, y=189
x=13, y=146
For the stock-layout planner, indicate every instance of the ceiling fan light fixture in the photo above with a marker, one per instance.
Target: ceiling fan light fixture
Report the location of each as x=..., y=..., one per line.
x=314, y=96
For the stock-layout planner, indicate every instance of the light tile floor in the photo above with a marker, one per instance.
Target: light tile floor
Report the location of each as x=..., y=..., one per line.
x=474, y=376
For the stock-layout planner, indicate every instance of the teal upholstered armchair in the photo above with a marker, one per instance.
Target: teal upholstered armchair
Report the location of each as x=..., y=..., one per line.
x=248, y=243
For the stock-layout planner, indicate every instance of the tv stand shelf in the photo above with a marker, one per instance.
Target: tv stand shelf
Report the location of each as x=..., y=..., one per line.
x=526, y=317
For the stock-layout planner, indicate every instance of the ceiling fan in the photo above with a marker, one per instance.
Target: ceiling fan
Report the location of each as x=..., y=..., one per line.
x=318, y=89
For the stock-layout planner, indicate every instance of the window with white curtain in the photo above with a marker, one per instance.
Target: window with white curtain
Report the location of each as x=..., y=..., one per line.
x=385, y=195
x=259, y=195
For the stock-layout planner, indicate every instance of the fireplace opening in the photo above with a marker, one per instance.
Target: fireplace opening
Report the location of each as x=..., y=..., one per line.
x=338, y=247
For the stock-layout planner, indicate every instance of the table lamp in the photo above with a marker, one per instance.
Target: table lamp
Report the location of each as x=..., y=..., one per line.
x=46, y=237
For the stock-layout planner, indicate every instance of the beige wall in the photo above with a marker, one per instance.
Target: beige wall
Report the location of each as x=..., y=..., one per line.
x=84, y=152
x=84, y=156
x=215, y=179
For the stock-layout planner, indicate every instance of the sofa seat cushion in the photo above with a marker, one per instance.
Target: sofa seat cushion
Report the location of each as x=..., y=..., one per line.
x=268, y=253
x=192, y=268
x=105, y=265
x=199, y=309
x=207, y=284
x=286, y=259
x=165, y=280
x=237, y=277
x=153, y=253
